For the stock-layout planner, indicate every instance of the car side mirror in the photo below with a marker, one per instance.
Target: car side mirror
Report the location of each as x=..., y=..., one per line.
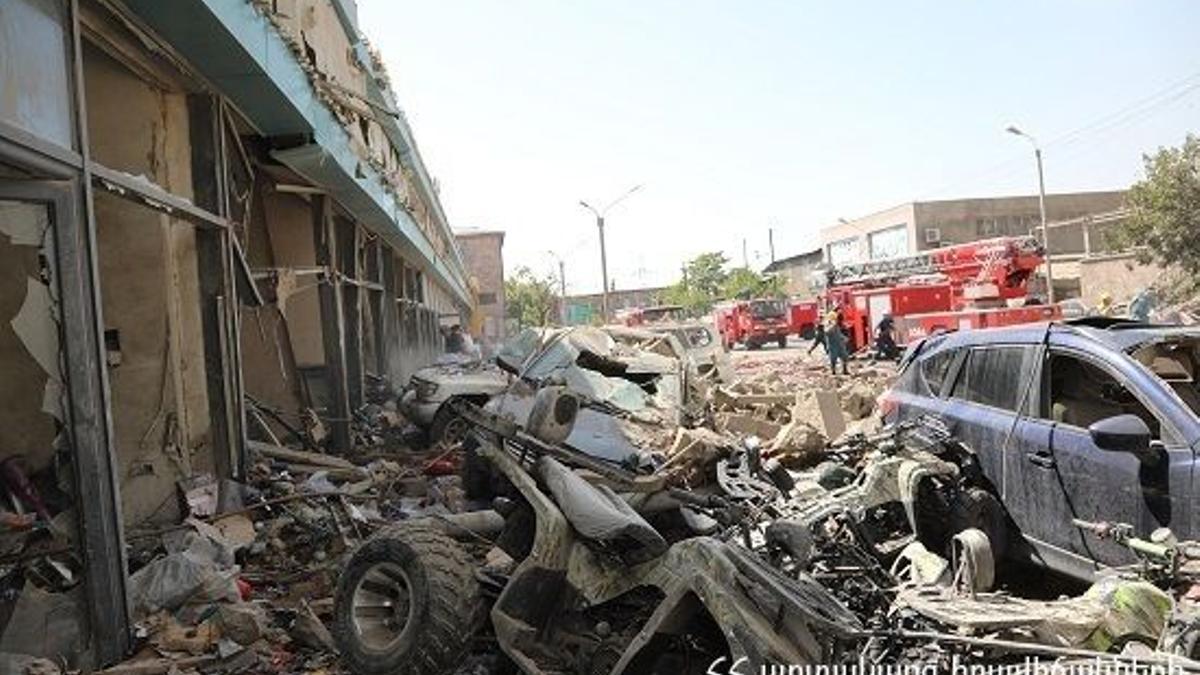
x=1121, y=433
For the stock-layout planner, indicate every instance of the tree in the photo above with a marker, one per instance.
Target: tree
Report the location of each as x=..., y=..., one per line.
x=706, y=282
x=745, y=283
x=529, y=299
x=1165, y=209
x=700, y=287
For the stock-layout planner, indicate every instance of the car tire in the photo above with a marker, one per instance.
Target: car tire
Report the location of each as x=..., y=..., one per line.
x=782, y=342
x=420, y=571
x=980, y=509
x=448, y=427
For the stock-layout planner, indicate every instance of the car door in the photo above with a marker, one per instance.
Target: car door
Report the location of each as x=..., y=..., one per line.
x=1103, y=486
x=990, y=386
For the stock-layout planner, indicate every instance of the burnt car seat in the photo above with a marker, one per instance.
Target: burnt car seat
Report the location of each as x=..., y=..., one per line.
x=602, y=518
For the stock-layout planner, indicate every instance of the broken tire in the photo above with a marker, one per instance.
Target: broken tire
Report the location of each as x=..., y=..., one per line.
x=448, y=427
x=407, y=603
x=977, y=508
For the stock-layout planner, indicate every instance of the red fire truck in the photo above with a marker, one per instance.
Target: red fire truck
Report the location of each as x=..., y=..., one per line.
x=975, y=285
x=639, y=316
x=753, y=323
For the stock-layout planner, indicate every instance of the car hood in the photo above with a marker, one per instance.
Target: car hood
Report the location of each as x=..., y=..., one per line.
x=477, y=377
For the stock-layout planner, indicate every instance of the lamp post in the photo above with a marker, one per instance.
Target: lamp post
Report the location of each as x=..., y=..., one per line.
x=603, y=253
x=1037, y=153
x=562, y=288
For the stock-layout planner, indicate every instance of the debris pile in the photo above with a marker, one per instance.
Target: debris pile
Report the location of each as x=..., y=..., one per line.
x=775, y=499
x=246, y=582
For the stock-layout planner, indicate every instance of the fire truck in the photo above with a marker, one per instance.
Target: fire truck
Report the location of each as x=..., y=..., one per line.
x=639, y=316
x=976, y=285
x=753, y=323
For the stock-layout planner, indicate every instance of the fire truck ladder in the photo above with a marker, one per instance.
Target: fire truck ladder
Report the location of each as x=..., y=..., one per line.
x=878, y=271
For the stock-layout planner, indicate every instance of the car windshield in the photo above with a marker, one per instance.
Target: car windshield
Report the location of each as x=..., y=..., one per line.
x=515, y=352
x=767, y=309
x=1175, y=362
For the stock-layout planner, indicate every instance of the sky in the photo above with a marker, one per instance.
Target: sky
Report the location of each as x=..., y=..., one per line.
x=739, y=118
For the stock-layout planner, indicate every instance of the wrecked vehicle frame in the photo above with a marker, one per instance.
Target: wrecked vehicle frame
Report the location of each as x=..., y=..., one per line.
x=590, y=585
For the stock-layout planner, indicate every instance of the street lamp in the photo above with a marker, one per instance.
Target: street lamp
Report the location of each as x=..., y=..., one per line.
x=603, y=254
x=562, y=288
x=1037, y=153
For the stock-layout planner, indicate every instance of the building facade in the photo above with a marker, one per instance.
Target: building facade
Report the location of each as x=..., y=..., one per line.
x=1079, y=225
x=205, y=205
x=797, y=273
x=918, y=226
x=483, y=253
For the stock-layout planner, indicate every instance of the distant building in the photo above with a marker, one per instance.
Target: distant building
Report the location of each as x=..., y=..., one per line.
x=797, y=272
x=484, y=259
x=584, y=309
x=918, y=226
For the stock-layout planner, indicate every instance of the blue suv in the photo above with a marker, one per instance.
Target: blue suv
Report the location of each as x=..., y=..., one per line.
x=1094, y=420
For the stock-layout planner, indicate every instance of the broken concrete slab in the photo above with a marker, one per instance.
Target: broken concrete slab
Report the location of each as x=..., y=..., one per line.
x=747, y=425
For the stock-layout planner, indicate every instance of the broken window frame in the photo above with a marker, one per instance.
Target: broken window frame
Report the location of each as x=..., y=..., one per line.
x=87, y=424
x=1168, y=433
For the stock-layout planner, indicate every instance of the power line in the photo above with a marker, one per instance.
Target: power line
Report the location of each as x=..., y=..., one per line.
x=1140, y=108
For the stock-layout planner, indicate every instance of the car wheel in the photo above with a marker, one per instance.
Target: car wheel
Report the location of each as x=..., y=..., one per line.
x=782, y=342
x=448, y=427
x=980, y=509
x=408, y=602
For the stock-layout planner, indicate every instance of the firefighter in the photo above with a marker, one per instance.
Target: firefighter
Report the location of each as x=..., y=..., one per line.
x=818, y=339
x=835, y=342
x=885, y=339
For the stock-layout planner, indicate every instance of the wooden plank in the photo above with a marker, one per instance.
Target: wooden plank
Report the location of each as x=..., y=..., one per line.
x=300, y=456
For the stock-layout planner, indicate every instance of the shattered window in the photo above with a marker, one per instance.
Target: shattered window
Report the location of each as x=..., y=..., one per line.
x=1175, y=363
x=992, y=376
x=1081, y=394
x=935, y=368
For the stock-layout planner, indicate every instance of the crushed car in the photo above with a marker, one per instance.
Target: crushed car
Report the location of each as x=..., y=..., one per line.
x=645, y=375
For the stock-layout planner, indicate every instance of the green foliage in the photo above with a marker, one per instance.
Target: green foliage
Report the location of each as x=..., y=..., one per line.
x=1165, y=208
x=744, y=283
x=530, y=300
x=706, y=282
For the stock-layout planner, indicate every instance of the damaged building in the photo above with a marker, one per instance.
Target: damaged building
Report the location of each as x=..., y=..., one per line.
x=217, y=228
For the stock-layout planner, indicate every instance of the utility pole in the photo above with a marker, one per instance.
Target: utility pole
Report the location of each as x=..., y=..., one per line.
x=562, y=292
x=603, y=252
x=745, y=258
x=1037, y=153
x=771, y=242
